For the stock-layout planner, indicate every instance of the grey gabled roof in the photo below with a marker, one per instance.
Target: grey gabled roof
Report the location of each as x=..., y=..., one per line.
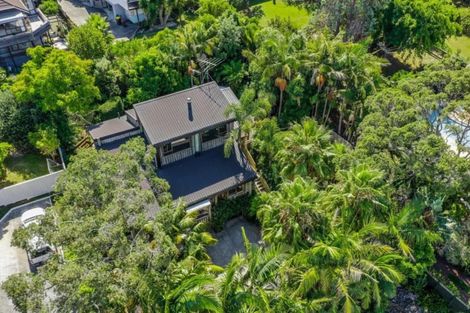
x=166, y=118
x=110, y=128
x=200, y=177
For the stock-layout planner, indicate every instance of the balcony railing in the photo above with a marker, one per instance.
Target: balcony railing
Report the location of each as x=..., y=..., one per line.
x=29, y=34
x=170, y=158
x=213, y=143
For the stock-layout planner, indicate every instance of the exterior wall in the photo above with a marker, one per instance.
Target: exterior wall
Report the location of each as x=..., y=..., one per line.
x=135, y=16
x=205, y=213
x=101, y=141
x=213, y=143
x=204, y=146
x=167, y=159
x=13, y=47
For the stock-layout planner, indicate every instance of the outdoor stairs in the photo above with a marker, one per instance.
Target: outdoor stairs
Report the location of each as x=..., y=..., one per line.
x=260, y=188
x=85, y=142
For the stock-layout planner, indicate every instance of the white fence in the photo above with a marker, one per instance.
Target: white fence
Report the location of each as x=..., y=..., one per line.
x=29, y=189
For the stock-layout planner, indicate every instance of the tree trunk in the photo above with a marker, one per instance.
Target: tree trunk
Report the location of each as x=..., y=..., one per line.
x=324, y=109
x=340, y=122
x=160, y=14
x=280, y=104
x=327, y=114
x=167, y=16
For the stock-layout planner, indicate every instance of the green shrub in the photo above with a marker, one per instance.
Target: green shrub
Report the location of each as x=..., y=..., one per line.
x=110, y=109
x=49, y=7
x=443, y=279
x=465, y=20
x=227, y=209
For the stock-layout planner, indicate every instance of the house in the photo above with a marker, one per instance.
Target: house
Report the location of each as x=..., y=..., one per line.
x=188, y=129
x=21, y=26
x=128, y=10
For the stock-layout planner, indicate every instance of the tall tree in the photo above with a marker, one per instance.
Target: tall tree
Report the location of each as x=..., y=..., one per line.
x=307, y=151
x=108, y=244
x=90, y=40
x=418, y=25
x=5, y=149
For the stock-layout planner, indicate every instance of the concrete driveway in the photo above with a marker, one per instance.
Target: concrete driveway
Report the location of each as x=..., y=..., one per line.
x=13, y=260
x=230, y=240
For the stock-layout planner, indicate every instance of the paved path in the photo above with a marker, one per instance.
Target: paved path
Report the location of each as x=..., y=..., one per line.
x=13, y=260
x=77, y=12
x=230, y=240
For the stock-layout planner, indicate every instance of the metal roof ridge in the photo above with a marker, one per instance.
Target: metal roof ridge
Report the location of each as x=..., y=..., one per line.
x=174, y=93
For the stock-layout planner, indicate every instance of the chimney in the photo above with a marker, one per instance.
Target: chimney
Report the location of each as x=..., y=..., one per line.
x=190, y=109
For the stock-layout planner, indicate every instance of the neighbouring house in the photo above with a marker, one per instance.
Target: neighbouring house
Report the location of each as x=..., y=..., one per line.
x=21, y=26
x=189, y=129
x=128, y=10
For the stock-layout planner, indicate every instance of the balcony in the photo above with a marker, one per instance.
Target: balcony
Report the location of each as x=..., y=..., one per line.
x=36, y=25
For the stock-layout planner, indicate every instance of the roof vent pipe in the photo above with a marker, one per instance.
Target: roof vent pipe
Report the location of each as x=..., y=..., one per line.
x=190, y=109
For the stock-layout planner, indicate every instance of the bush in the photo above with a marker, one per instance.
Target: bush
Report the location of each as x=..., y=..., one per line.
x=110, y=109
x=465, y=20
x=49, y=7
x=227, y=209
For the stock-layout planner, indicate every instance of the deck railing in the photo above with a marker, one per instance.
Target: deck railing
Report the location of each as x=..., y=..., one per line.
x=213, y=143
x=251, y=161
x=177, y=156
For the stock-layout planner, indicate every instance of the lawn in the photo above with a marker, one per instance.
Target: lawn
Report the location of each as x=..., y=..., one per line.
x=24, y=167
x=281, y=9
x=460, y=44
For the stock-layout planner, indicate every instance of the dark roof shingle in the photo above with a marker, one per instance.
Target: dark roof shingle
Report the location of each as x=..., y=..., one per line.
x=110, y=127
x=168, y=117
x=202, y=176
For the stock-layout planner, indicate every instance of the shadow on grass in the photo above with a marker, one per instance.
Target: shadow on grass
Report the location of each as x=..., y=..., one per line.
x=23, y=167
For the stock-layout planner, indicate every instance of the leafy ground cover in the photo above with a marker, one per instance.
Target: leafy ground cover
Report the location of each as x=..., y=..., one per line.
x=24, y=167
x=282, y=10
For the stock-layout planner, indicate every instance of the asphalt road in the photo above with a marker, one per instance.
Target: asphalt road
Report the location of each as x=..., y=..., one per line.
x=13, y=260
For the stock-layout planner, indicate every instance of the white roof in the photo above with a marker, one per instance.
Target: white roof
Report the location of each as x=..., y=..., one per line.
x=30, y=215
x=10, y=17
x=199, y=206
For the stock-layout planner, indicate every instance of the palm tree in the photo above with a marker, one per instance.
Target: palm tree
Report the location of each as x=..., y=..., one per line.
x=277, y=60
x=290, y=215
x=252, y=107
x=307, y=151
x=351, y=268
x=407, y=229
x=184, y=292
x=250, y=282
x=359, y=197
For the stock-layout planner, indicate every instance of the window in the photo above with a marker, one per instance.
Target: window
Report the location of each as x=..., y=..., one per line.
x=20, y=46
x=12, y=28
x=214, y=133
x=175, y=146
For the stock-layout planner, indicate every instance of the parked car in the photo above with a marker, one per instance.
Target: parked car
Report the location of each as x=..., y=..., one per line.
x=39, y=251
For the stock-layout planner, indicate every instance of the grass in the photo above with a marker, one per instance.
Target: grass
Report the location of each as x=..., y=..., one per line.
x=281, y=9
x=24, y=167
x=456, y=44
x=460, y=44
